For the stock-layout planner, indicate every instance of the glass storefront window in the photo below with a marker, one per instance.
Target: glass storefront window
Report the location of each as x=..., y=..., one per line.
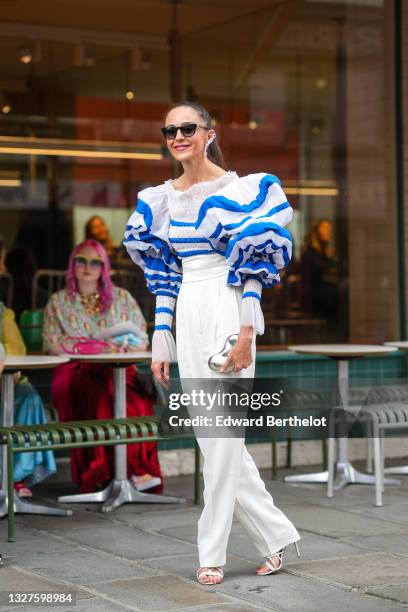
x=300, y=90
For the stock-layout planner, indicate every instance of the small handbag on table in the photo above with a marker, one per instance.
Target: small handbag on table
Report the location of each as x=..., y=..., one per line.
x=81, y=345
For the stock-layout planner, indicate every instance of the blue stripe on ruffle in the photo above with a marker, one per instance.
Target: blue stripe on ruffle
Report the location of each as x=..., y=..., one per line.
x=134, y=227
x=231, y=205
x=266, y=276
x=231, y=226
x=164, y=309
x=256, y=229
x=261, y=247
x=144, y=209
x=251, y=294
x=194, y=252
x=172, y=278
x=217, y=231
x=157, y=264
x=255, y=266
x=166, y=286
x=181, y=223
x=270, y=213
x=162, y=327
x=188, y=240
x=199, y=252
x=162, y=261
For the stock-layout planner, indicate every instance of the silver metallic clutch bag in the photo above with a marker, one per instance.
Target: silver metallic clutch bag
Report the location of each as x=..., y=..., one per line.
x=216, y=361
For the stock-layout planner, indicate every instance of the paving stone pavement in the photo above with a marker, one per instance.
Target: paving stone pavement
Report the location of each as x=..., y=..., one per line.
x=143, y=557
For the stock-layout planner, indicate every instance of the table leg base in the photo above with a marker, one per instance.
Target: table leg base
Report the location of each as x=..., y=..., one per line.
x=119, y=492
x=347, y=474
x=25, y=507
x=401, y=470
x=80, y=498
x=124, y=492
x=318, y=477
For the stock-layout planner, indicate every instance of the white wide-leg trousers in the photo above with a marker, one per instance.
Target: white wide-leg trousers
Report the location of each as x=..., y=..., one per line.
x=208, y=310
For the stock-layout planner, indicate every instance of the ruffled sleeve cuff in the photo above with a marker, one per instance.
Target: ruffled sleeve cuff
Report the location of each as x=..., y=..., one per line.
x=163, y=344
x=251, y=312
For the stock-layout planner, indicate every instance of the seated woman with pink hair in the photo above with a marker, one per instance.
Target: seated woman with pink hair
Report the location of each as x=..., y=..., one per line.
x=80, y=390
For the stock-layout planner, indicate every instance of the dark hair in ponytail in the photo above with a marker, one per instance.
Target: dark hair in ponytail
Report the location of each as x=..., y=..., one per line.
x=214, y=152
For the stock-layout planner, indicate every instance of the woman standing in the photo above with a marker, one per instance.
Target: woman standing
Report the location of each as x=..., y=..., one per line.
x=89, y=304
x=212, y=240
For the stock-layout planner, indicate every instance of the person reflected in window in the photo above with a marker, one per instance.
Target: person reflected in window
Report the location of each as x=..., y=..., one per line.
x=81, y=390
x=96, y=229
x=29, y=468
x=320, y=273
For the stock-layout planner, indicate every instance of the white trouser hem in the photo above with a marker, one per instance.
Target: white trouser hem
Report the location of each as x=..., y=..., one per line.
x=270, y=549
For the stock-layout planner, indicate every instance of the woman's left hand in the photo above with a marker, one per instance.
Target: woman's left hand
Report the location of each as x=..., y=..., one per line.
x=241, y=354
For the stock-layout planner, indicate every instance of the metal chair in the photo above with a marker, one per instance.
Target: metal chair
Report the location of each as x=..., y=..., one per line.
x=381, y=410
x=54, y=280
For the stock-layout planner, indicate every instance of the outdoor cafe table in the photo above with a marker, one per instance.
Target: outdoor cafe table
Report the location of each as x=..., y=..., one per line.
x=399, y=469
x=342, y=353
x=13, y=364
x=120, y=490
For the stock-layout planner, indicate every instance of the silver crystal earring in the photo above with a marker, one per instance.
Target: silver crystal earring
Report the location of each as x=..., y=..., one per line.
x=209, y=141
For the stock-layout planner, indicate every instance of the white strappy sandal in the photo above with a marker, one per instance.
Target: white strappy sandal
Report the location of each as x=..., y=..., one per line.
x=210, y=571
x=274, y=562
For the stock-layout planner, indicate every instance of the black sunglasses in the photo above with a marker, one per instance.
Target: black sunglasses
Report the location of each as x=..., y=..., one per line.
x=187, y=129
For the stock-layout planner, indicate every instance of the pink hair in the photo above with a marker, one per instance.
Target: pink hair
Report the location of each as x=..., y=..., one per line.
x=104, y=283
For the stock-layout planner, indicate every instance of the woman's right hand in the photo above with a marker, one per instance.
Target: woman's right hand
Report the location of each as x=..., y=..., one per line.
x=161, y=373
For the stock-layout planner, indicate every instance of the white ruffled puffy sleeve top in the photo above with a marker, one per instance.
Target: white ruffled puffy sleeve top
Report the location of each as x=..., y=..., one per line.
x=242, y=218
